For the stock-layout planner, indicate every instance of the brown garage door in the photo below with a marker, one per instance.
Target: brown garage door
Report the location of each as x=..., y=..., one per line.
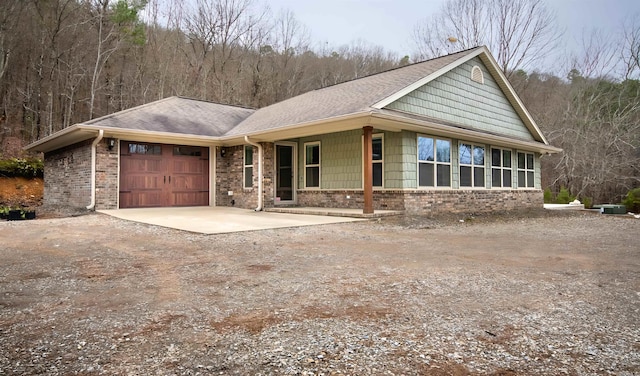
x=156, y=175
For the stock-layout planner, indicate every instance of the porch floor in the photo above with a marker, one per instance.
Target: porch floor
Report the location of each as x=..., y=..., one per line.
x=333, y=212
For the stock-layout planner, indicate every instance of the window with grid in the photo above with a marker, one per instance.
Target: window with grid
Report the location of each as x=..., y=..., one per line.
x=471, y=158
x=312, y=165
x=526, y=170
x=501, y=168
x=248, y=166
x=434, y=162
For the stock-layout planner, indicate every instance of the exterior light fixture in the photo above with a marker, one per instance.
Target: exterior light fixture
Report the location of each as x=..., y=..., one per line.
x=111, y=142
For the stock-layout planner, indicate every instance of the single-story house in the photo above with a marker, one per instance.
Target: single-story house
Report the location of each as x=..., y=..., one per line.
x=444, y=135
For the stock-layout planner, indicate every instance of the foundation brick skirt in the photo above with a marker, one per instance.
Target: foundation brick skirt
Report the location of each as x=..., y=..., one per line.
x=427, y=201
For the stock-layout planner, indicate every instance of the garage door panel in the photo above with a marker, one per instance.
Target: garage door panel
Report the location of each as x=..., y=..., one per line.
x=163, y=175
x=196, y=167
x=141, y=199
x=189, y=198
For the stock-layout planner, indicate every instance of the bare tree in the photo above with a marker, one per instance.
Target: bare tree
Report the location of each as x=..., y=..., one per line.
x=598, y=55
x=519, y=33
x=630, y=51
x=9, y=16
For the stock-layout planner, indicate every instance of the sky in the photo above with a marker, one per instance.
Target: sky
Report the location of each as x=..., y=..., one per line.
x=390, y=23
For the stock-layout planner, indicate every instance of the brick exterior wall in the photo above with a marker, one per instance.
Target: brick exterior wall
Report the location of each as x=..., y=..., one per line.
x=107, y=176
x=427, y=202
x=229, y=175
x=67, y=176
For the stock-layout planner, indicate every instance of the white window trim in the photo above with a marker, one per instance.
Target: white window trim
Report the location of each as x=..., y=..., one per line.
x=502, y=168
x=525, y=169
x=435, y=164
x=374, y=136
x=319, y=165
x=245, y=165
x=473, y=166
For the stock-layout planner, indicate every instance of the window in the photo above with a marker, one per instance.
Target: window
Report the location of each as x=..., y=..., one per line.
x=526, y=170
x=500, y=168
x=434, y=162
x=193, y=151
x=312, y=165
x=471, y=165
x=248, y=166
x=147, y=149
x=377, y=151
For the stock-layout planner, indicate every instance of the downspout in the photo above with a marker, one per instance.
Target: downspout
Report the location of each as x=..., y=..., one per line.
x=92, y=205
x=246, y=138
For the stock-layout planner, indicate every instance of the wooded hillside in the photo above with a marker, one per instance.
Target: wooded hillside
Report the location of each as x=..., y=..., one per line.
x=67, y=61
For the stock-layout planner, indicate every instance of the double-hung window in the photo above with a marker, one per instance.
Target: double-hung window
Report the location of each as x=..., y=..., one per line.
x=377, y=159
x=471, y=165
x=434, y=162
x=500, y=168
x=312, y=165
x=526, y=170
x=248, y=166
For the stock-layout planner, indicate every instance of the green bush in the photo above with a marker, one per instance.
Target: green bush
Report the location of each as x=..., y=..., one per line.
x=587, y=202
x=548, y=196
x=20, y=167
x=564, y=197
x=632, y=200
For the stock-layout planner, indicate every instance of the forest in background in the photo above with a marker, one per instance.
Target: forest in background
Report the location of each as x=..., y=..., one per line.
x=68, y=61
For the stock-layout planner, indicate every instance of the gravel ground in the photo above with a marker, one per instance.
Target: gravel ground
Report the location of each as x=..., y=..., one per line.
x=529, y=294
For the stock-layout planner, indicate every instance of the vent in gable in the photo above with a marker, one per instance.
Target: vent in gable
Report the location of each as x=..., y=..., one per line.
x=476, y=74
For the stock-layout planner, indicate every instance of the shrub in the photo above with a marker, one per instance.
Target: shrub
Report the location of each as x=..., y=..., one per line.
x=587, y=202
x=632, y=200
x=564, y=197
x=19, y=167
x=548, y=196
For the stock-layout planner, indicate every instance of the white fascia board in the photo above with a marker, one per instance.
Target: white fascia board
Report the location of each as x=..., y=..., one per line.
x=165, y=137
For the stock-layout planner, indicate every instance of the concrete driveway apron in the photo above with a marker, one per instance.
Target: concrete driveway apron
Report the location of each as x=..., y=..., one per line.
x=219, y=220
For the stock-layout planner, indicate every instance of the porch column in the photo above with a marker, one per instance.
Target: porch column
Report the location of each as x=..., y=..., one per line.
x=368, y=170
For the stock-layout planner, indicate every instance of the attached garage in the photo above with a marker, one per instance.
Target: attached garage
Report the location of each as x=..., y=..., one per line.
x=161, y=175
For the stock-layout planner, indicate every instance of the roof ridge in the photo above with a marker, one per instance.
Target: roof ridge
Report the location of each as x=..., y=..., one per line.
x=212, y=102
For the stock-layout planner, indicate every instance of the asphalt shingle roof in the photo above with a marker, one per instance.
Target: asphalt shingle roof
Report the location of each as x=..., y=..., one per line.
x=195, y=117
x=342, y=99
x=178, y=115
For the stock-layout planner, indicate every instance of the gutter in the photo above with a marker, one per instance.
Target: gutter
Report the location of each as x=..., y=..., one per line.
x=246, y=138
x=92, y=205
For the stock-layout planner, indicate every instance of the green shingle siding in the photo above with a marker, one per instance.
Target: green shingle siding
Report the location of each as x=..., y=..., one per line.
x=456, y=98
x=340, y=160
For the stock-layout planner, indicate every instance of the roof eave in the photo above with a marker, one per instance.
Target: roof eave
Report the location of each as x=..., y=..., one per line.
x=311, y=128
x=81, y=132
x=68, y=136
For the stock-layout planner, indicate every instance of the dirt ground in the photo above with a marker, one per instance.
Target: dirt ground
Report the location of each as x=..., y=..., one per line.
x=531, y=294
x=18, y=192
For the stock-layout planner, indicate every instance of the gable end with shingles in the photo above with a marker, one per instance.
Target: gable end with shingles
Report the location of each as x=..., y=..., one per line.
x=454, y=97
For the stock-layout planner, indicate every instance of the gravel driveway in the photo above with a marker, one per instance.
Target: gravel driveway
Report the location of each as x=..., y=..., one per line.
x=545, y=293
